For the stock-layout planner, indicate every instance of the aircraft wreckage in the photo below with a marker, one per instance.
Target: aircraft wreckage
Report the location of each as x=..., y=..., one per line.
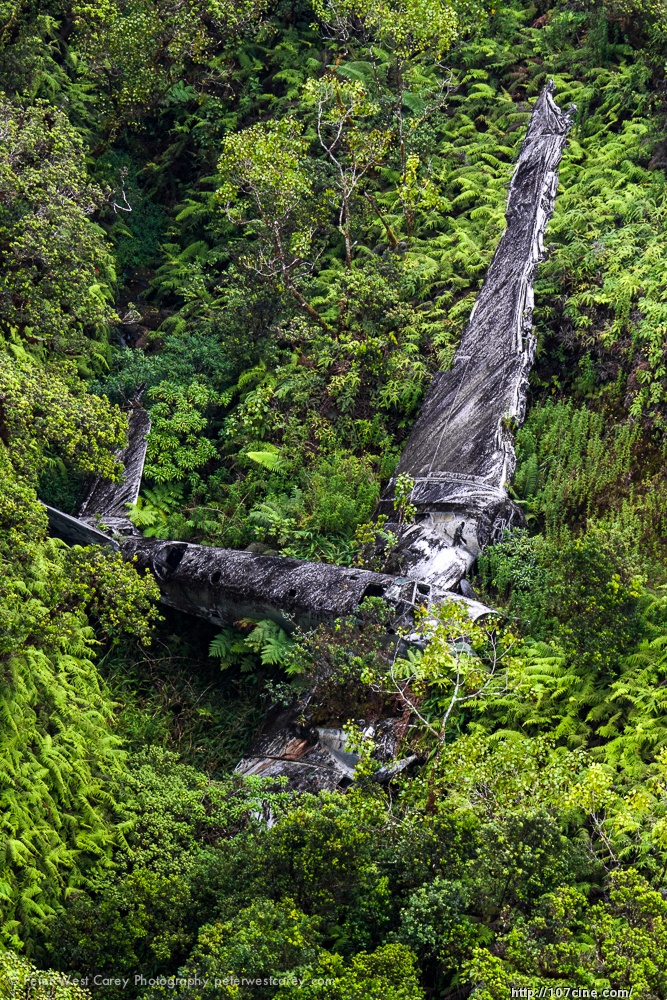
x=460, y=455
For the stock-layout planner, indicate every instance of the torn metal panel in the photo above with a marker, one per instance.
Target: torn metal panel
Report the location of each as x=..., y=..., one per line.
x=461, y=451
x=315, y=759
x=312, y=759
x=75, y=531
x=107, y=502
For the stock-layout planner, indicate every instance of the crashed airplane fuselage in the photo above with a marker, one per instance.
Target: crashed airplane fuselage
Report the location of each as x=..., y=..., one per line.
x=460, y=453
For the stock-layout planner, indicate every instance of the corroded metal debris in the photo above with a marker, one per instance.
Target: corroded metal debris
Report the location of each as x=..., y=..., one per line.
x=102, y=516
x=224, y=585
x=106, y=503
x=77, y=532
x=315, y=758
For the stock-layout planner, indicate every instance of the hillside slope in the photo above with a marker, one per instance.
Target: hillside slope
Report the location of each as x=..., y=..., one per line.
x=270, y=221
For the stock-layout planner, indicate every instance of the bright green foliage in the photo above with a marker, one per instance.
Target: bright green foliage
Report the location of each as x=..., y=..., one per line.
x=343, y=109
x=386, y=974
x=575, y=466
x=411, y=26
x=276, y=945
x=48, y=413
x=115, y=596
x=176, y=447
x=302, y=200
x=263, y=941
x=584, y=596
x=265, y=638
x=267, y=164
x=480, y=774
x=19, y=978
x=56, y=787
x=623, y=223
x=137, y=50
x=146, y=909
x=60, y=761
x=463, y=663
x=49, y=296
x=572, y=463
x=320, y=519
x=151, y=512
x=616, y=944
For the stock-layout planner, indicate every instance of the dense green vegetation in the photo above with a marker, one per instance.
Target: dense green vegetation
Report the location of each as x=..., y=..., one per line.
x=271, y=218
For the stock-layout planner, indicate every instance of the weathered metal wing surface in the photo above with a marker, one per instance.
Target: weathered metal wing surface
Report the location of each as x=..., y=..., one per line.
x=107, y=502
x=460, y=452
x=76, y=531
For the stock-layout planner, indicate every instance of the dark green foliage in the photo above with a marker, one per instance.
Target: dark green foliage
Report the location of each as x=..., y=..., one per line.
x=171, y=694
x=144, y=910
x=573, y=589
x=262, y=941
x=620, y=942
x=436, y=922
